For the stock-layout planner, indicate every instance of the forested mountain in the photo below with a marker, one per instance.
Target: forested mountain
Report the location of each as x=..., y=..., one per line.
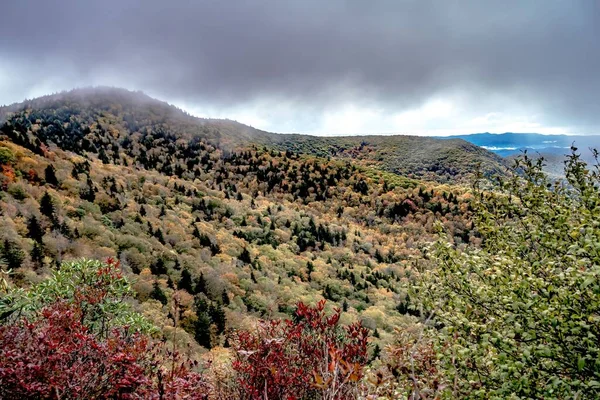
x=194, y=206
x=219, y=226
x=133, y=112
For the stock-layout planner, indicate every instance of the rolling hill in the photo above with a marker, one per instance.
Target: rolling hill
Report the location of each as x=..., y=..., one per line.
x=216, y=210
x=133, y=112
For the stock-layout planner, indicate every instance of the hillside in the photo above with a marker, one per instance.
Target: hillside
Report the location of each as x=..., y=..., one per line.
x=71, y=116
x=447, y=161
x=176, y=257
x=169, y=198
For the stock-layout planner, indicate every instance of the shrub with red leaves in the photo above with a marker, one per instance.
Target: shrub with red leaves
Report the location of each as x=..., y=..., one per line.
x=309, y=357
x=56, y=356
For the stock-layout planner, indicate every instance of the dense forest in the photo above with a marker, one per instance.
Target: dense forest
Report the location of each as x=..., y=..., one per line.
x=177, y=257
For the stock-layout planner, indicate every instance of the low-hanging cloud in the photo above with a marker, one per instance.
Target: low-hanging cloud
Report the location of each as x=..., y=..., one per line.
x=291, y=66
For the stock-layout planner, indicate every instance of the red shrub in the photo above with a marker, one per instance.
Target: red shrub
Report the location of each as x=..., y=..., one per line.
x=56, y=356
x=308, y=357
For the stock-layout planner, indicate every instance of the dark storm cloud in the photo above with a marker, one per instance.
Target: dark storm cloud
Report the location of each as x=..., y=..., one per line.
x=316, y=54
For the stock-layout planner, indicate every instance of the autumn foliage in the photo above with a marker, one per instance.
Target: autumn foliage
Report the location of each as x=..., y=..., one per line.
x=311, y=356
x=54, y=355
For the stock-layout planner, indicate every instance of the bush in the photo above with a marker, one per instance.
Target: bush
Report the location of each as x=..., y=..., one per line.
x=519, y=316
x=310, y=357
x=98, y=288
x=55, y=354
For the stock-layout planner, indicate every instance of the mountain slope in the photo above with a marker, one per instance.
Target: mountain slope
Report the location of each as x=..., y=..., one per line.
x=250, y=230
x=449, y=161
x=76, y=121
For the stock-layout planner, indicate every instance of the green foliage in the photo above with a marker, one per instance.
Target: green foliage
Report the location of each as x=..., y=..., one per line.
x=158, y=294
x=13, y=254
x=68, y=283
x=6, y=156
x=519, y=316
x=165, y=192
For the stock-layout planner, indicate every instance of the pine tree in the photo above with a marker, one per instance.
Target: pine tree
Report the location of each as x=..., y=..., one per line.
x=196, y=232
x=225, y=298
x=37, y=254
x=217, y=315
x=158, y=294
x=185, y=283
x=50, y=175
x=35, y=230
x=158, y=267
x=245, y=256
x=200, y=285
x=203, y=322
x=13, y=254
x=47, y=206
x=159, y=235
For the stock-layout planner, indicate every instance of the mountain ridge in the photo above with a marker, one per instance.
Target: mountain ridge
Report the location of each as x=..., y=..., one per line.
x=413, y=156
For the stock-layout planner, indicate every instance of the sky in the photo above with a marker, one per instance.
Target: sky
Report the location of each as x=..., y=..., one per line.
x=322, y=67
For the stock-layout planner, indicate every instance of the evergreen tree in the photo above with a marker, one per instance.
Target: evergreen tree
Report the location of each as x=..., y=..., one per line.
x=159, y=235
x=203, y=322
x=158, y=294
x=225, y=298
x=34, y=229
x=196, y=232
x=47, y=206
x=200, y=285
x=217, y=315
x=13, y=254
x=37, y=254
x=158, y=267
x=50, y=175
x=186, y=283
x=245, y=256
x=170, y=283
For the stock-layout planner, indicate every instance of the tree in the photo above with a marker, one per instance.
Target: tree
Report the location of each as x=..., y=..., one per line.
x=519, y=316
x=203, y=322
x=158, y=267
x=13, y=254
x=186, y=282
x=158, y=234
x=34, y=229
x=37, y=254
x=200, y=285
x=158, y=294
x=225, y=298
x=6, y=156
x=47, y=206
x=217, y=315
x=311, y=356
x=245, y=256
x=50, y=175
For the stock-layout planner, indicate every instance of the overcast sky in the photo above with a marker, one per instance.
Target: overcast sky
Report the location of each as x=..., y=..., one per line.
x=322, y=67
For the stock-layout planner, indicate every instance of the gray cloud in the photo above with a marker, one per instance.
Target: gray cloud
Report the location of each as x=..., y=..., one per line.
x=314, y=55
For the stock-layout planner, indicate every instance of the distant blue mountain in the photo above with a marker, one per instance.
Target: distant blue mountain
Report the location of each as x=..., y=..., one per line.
x=508, y=144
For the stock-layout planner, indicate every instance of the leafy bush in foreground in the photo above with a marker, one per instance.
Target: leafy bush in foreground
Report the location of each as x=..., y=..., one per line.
x=310, y=357
x=520, y=316
x=59, y=352
x=98, y=288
